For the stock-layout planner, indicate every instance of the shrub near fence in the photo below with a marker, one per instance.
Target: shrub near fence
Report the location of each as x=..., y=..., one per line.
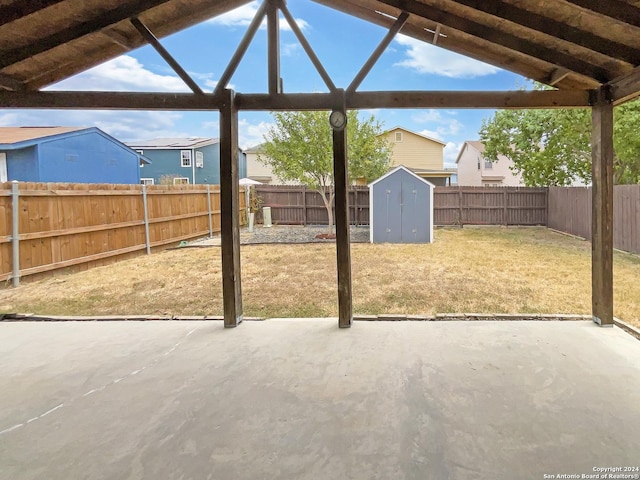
x=64, y=225
x=296, y=205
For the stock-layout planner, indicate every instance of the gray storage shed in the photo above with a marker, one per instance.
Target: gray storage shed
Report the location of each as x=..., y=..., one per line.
x=401, y=208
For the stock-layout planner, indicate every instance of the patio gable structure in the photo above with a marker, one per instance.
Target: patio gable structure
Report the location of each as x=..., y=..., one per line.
x=586, y=49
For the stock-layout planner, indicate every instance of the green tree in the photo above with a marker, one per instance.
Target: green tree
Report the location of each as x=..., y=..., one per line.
x=299, y=148
x=553, y=147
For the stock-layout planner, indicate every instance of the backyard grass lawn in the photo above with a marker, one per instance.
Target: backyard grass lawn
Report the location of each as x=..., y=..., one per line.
x=472, y=270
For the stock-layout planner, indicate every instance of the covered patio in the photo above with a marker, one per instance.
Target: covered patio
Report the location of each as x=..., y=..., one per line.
x=298, y=398
x=587, y=50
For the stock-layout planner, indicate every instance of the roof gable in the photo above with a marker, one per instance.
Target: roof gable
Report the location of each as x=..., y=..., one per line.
x=391, y=130
x=401, y=168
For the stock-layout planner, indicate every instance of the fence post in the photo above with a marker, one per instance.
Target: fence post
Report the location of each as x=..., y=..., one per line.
x=147, y=240
x=209, y=209
x=15, y=233
x=304, y=205
x=506, y=208
x=459, y=202
x=356, y=207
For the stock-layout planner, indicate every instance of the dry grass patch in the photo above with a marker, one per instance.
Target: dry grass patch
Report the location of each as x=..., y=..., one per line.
x=480, y=270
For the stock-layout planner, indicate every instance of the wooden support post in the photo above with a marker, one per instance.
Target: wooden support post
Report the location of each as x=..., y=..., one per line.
x=343, y=247
x=230, y=211
x=602, y=212
x=273, y=46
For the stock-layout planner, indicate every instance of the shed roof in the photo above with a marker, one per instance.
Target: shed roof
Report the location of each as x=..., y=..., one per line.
x=571, y=44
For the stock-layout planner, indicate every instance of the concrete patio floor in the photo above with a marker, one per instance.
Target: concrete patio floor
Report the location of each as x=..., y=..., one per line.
x=301, y=399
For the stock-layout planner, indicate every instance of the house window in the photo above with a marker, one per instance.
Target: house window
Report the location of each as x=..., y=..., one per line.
x=147, y=181
x=478, y=163
x=398, y=136
x=488, y=164
x=185, y=158
x=181, y=181
x=199, y=160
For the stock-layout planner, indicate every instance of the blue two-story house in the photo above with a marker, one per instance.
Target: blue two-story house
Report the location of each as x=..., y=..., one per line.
x=67, y=155
x=183, y=160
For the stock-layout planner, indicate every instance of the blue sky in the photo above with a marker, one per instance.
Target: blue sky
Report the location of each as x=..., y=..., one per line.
x=343, y=43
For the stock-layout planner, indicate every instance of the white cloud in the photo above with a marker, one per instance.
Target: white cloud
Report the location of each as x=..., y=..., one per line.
x=242, y=17
x=445, y=124
x=431, y=134
x=429, y=59
x=252, y=134
x=290, y=49
x=451, y=151
x=123, y=125
x=123, y=73
x=9, y=119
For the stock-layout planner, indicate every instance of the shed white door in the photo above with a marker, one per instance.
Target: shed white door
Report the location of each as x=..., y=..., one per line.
x=3, y=167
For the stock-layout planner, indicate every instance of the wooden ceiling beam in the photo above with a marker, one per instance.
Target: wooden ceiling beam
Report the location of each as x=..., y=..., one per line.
x=617, y=9
x=295, y=102
x=104, y=20
x=501, y=38
x=20, y=9
x=626, y=87
x=11, y=83
x=556, y=29
x=164, y=53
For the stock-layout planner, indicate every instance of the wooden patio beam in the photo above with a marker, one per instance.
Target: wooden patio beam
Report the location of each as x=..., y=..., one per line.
x=67, y=35
x=242, y=49
x=273, y=46
x=502, y=38
x=164, y=53
x=295, y=101
x=307, y=47
x=11, y=83
x=620, y=10
x=388, y=38
x=602, y=212
x=229, y=212
x=555, y=28
x=625, y=88
x=343, y=242
x=16, y=10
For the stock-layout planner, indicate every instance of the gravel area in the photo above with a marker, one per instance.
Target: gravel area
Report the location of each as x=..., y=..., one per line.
x=287, y=234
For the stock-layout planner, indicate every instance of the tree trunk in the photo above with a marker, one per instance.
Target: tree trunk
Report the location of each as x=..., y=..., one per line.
x=328, y=205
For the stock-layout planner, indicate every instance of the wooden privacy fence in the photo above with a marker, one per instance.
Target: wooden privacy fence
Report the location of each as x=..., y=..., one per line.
x=490, y=206
x=297, y=205
x=570, y=212
x=49, y=226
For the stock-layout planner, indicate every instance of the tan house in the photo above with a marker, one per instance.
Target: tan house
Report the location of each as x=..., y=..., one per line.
x=423, y=155
x=260, y=172
x=476, y=171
